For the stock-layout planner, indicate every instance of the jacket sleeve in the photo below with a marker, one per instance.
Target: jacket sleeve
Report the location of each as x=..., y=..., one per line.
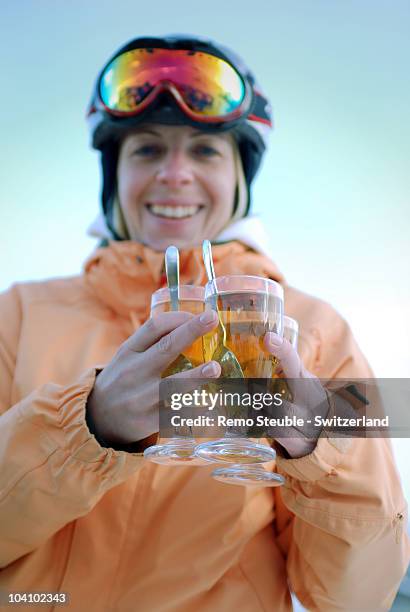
x=341, y=516
x=52, y=470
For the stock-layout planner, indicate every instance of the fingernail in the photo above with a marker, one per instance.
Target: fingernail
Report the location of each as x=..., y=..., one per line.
x=207, y=317
x=274, y=339
x=210, y=369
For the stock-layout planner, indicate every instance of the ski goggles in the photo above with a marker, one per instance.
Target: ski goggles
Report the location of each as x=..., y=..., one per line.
x=207, y=88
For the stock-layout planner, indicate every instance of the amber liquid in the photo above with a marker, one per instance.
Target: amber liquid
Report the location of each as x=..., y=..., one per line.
x=246, y=318
x=193, y=353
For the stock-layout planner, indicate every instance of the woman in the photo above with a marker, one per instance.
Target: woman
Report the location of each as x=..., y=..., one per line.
x=81, y=512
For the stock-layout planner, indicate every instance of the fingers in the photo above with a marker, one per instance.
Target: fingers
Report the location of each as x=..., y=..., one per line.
x=155, y=328
x=287, y=355
x=163, y=352
x=211, y=369
x=190, y=380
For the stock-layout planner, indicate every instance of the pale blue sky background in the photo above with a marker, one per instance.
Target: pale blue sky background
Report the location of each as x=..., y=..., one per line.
x=335, y=187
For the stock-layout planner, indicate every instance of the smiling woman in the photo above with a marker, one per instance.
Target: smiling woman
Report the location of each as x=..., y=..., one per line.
x=176, y=184
x=181, y=127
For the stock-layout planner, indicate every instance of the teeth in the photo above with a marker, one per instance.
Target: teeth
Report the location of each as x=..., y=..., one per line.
x=176, y=212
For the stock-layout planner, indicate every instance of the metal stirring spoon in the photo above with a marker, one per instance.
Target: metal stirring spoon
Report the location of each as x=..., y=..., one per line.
x=230, y=365
x=181, y=363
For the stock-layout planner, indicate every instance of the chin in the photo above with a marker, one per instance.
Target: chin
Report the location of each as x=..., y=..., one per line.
x=182, y=243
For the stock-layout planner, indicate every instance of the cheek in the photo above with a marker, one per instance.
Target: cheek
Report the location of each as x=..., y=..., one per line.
x=224, y=192
x=130, y=187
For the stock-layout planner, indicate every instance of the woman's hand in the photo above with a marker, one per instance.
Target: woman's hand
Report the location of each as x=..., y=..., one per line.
x=309, y=398
x=123, y=404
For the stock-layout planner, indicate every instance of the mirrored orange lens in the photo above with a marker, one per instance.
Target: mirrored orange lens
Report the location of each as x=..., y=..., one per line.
x=209, y=86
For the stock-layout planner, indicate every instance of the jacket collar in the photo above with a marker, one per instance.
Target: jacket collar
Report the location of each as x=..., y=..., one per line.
x=124, y=274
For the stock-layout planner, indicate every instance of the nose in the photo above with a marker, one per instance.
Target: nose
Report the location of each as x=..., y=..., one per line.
x=175, y=170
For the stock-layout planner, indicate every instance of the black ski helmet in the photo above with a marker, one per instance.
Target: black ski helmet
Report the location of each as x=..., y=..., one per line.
x=251, y=131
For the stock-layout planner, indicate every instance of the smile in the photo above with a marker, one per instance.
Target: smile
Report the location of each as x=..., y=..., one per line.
x=173, y=212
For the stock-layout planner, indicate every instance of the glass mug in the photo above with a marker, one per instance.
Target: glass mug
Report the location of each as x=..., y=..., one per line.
x=253, y=475
x=248, y=307
x=179, y=450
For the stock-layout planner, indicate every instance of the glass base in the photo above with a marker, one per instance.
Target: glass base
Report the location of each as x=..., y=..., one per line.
x=253, y=476
x=235, y=450
x=174, y=452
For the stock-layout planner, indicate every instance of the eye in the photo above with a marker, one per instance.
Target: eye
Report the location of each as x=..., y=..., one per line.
x=205, y=150
x=148, y=150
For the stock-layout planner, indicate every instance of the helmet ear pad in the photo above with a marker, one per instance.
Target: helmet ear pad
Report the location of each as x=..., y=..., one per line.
x=250, y=160
x=109, y=163
x=250, y=155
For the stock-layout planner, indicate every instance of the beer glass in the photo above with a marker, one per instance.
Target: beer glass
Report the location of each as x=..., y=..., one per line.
x=179, y=450
x=257, y=475
x=248, y=307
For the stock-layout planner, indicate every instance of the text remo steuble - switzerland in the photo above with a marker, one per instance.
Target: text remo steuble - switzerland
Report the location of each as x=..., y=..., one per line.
x=286, y=421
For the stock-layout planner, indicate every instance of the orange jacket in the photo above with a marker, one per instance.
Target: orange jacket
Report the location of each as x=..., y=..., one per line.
x=120, y=534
